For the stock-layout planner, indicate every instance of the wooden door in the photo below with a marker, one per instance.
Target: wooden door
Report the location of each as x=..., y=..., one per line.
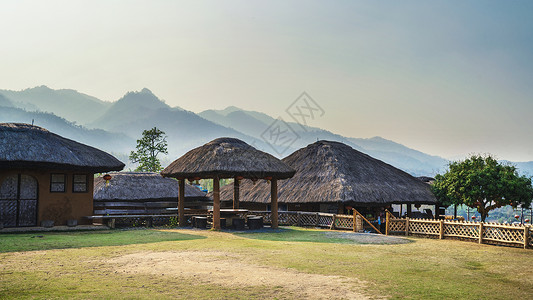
x=18, y=201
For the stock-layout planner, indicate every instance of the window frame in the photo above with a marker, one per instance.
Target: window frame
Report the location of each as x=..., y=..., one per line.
x=64, y=182
x=86, y=183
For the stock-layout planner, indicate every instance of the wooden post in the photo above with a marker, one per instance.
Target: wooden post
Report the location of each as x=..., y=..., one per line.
x=354, y=221
x=181, y=203
x=441, y=229
x=409, y=210
x=216, y=203
x=317, y=219
x=527, y=232
x=299, y=219
x=236, y=193
x=480, y=232
x=407, y=226
x=274, y=202
x=455, y=211
x=436, y=214
x=387, y=222
x=332, y=227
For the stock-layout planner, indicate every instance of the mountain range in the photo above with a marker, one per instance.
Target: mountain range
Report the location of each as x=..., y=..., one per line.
x=115, y=126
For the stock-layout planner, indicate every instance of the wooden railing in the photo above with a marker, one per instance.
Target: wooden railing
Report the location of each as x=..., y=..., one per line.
x=315, y=219
x=481, y=232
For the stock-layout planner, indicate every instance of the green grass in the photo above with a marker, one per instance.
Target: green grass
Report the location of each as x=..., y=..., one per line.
x=422, y=269
x=63, y=240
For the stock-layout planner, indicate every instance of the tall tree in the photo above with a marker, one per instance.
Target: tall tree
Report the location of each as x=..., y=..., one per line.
x=482, y=183
x=152, y=143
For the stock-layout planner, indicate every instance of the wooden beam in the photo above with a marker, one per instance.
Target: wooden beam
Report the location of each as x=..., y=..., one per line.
x=236, y=193
x=216, y=203
x=274, y=202
x=181, y=203
x=409, y=207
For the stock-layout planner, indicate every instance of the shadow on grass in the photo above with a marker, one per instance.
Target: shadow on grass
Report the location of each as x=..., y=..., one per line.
x=295, y=234
x=13, y=242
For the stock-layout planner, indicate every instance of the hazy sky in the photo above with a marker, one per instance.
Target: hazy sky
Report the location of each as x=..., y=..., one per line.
x=447, y=78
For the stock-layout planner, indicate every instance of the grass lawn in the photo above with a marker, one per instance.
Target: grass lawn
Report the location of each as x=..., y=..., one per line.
x=283, y=264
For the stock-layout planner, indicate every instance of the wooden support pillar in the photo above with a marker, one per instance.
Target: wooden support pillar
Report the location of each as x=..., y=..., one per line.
x=407, y=226
x=480, y=232
x=216, y=203
x=409, y=210
x=181, y=203
x=236, y=184
x=436, y=214
x=387, y=222
x=441, y=229
x=527, y=232
x=274, y=202
x=455, y=211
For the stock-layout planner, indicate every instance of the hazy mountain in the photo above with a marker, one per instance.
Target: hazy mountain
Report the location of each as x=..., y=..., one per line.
x=69, y=104
x=110, y=142
x=138, y=111
x=118, y=124
x=255, y=124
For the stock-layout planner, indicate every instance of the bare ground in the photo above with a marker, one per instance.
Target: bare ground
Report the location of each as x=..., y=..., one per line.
x=227, y=269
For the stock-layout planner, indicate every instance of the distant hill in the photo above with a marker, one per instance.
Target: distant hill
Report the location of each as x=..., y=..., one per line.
x=117, y=125
x=255, y=123
x=68, y=104
x=110, y=142
x=138, y=111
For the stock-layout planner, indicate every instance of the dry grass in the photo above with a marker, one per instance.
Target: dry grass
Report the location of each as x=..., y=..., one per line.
x=123, y=266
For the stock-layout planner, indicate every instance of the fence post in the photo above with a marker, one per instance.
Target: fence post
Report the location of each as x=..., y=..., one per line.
x=526, y=236
x=441, y=229
x=387, y=220
x=317, y=219
x=299, y=219
x=354, y=222
x=332, y=227
x=407, y=226
x=481, y=232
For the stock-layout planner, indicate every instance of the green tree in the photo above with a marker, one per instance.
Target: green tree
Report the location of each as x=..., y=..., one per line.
x=152, y=143
x=482, y=183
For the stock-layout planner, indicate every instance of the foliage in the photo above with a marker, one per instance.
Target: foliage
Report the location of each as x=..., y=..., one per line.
x=152, y=143
x=481, y=182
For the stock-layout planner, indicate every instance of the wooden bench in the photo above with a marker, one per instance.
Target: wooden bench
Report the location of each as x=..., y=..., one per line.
x=110, y=220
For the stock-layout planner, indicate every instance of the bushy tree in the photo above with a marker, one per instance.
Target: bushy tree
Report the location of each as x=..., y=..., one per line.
x=482, y=183
x=152, y=143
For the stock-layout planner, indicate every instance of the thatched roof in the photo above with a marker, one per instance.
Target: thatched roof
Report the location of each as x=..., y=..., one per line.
x=137, y=186
x=227, y=158
x=28, y=146
x=334, y=172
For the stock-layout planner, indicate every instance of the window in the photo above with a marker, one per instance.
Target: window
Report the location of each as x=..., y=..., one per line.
x=79, y=183
x=57, y=183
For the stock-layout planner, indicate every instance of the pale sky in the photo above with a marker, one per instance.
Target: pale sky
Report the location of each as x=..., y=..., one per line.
x=447, y=78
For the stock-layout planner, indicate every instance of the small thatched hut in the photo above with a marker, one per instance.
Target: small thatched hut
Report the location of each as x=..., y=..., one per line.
x=44, y=176
x=142, y=193
x=331, y=176
x=228, y=158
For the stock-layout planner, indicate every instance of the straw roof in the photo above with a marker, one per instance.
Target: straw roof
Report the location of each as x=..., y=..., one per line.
x=227, y=158
x=334, y=172
x=28, y=146
x=141, y=186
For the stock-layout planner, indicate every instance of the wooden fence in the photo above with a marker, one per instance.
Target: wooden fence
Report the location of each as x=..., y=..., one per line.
x=315, y=219
x=483, y=233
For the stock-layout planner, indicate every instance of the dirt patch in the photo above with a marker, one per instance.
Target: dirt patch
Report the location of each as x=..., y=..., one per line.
x=228, y=270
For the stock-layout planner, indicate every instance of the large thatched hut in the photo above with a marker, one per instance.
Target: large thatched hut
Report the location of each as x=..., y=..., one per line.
x=44, y=176
x=228, y=158
x=142, y=193
x=331, y=176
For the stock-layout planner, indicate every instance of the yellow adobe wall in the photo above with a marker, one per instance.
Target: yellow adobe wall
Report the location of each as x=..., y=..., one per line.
x=61, y=206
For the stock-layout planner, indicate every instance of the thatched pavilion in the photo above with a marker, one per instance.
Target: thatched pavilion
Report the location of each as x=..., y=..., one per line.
x=228, y=158
x=331, y=176
x=44, y=176
x=142, y=193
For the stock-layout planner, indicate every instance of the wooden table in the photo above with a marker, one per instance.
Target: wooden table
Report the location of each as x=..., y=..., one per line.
x=229, y=214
